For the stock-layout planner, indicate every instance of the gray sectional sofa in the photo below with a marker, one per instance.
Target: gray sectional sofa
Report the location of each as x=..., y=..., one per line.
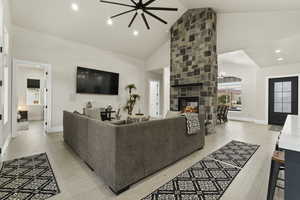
x=124, y=154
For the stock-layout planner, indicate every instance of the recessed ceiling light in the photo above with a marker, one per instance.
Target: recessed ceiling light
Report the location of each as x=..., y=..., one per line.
x=278, y=51
x=135, y=32
x=110, y=22
x=75, y=6
x=280, y=59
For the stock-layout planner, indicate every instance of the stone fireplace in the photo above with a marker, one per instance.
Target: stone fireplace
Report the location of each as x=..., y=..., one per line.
x=194, y=68
x=188, y=104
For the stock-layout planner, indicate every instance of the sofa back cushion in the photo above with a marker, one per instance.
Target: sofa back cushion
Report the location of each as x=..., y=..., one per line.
x=171, y=114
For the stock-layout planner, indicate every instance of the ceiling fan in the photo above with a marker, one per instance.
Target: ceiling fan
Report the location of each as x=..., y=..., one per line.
x=142, y=8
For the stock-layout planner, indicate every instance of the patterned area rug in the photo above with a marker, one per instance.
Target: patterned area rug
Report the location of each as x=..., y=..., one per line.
x=209, y=178
x=29, y=178
x=235, y=153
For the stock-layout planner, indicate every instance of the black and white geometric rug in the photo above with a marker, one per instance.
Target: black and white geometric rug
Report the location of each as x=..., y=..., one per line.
x=206, y=180
x=235, y=153
x=28, y=178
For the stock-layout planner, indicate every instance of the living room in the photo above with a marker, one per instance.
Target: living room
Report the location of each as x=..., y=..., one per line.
x=152, y=99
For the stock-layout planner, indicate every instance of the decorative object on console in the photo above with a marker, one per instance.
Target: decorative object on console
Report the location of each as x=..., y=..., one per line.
x=140, y=7
x=89, y=104
x=132, y=99
x=109, y=108
x=118, y=113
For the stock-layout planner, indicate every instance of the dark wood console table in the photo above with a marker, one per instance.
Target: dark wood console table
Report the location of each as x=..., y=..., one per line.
x=106, y=115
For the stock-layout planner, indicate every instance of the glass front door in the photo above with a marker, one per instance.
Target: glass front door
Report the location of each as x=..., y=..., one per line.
x=283, y=99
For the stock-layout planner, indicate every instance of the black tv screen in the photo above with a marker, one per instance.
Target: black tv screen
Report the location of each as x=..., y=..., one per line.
x=91, y=81
x=33, y=83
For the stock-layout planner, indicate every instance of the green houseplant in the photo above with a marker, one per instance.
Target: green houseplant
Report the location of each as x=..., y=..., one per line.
x=132, y=99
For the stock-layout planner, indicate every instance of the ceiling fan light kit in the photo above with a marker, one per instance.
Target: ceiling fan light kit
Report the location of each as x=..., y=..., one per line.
x=142, y=8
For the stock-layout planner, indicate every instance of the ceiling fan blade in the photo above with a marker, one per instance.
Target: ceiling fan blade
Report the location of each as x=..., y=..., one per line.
x=145, y=20
x=116, y=3
x=133, y=2
x=123, y=13
x=148, y=2
x=161, y=8
x=132, y=20
x=156, y=17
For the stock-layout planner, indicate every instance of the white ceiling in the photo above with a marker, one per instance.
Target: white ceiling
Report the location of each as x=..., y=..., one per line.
x=88, y=25
x=258, y=27
x=260, y=35
x=236, y=58
x=233, y=6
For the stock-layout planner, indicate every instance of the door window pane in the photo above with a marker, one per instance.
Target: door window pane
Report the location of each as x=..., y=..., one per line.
x=278, y=107
x=286, y=107
x=278, y=87
x=278, y=97
x=287, y=86
x=286, y=97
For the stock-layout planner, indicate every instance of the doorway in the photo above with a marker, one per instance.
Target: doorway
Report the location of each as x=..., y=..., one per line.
x=283, y=99
x=31, y=95
x=154, y=98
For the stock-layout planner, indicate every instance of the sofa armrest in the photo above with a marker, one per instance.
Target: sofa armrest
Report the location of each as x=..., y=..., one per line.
x=102, y=150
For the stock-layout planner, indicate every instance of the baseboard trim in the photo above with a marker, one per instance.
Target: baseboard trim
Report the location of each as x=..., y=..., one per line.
x=244, y=119
x=263, y=122
x=6, y=143
x=55, y=129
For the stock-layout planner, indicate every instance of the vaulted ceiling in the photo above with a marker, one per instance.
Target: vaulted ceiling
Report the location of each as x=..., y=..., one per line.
x=88, y=25
x=258, y=27
x=238, y=6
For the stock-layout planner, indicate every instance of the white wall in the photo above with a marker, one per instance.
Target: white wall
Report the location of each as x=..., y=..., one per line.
x=160, y=58
x=65, y=56
x=262, y=88
x=35, y=112
x=7, y=23
x=167, y=89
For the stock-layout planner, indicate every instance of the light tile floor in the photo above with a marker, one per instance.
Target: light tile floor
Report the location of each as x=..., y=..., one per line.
x=78, y=182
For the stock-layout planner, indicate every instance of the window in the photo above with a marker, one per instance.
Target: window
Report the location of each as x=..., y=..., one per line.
x=6, y=75
x=283, y=97
x=5, y=86
x=230, y=92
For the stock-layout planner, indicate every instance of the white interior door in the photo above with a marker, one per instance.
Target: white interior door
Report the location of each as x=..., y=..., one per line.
x=1, y=75
x=46, y=106
x=154, y=98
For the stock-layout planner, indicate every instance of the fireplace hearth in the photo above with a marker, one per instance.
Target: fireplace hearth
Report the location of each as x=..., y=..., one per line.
x=188, y=104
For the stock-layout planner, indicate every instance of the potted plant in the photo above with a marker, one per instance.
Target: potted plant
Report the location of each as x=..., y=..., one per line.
x=132, y=99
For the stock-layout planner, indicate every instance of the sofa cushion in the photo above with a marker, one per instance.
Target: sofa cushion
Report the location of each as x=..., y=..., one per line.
x=171, y=114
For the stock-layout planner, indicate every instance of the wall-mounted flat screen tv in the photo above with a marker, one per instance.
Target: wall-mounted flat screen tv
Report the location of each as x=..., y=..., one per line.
x=33, y=83
x=91, y=81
